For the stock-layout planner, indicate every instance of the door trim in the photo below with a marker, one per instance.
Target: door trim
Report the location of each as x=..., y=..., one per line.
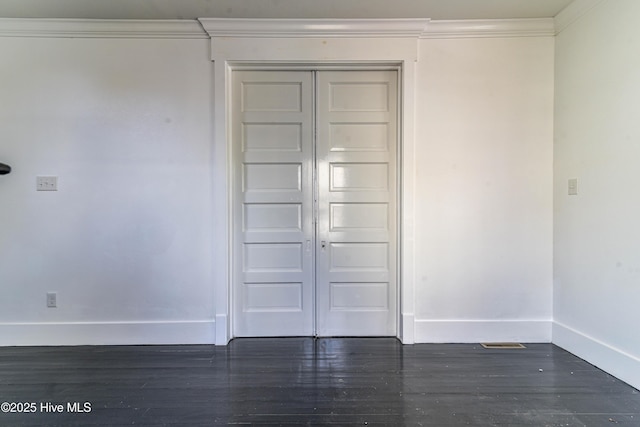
x=310, y=27
x=228, y=53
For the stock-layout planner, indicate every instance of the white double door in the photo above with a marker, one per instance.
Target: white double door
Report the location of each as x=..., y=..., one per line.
x=314, y=206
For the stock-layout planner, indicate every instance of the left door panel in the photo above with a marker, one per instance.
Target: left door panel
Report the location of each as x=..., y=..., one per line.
x=273, y=203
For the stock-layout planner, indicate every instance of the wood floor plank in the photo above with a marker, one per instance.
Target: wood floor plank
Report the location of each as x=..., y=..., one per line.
x=304, y=381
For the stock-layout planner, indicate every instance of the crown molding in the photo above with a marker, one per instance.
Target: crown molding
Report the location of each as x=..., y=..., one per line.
x=224, y=27
x=474, y=28
x=102, y=28
x=572, y=13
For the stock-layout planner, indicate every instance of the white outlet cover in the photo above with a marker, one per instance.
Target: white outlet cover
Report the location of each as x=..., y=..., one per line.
x=47, y=183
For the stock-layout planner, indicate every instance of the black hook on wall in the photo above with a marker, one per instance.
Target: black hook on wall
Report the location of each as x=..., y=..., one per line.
x=4, y=169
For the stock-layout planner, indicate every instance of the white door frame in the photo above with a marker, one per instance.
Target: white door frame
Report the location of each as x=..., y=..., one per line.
x=314, y=44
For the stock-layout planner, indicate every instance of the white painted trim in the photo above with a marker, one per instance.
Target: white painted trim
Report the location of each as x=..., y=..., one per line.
x=221, y=182
x=618, y=363
x=107, y=333
x=407, y=195
x=407, y=329
x=313, y=66
x=227, y=52
x=327, y=28
x=102, y=28
x=572, y=13
x=222, y=329
x=482, y=28
x=476, y=331
x=230, y=27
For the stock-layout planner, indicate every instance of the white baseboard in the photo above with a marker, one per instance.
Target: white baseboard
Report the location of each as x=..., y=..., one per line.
x=476, y=331
x=407, y=329
x=107, y=333
x=610, y=359
x=222, y=330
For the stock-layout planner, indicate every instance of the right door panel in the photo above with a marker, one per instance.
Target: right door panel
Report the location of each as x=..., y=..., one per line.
x=356, y=119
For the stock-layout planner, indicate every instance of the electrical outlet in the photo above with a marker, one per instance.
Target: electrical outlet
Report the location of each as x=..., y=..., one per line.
x=47, y=183
x=52, y=299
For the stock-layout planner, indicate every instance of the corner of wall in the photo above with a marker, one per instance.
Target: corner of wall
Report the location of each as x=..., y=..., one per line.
x=576, y=10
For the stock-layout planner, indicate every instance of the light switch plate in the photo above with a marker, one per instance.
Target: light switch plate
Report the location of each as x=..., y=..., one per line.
x=47, y=183
x=52, y=299
x=573, y=186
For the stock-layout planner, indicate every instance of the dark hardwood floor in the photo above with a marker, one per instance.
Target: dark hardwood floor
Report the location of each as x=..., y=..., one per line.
x=302, y=381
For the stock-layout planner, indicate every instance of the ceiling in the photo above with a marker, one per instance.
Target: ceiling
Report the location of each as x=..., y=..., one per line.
x=191, y=9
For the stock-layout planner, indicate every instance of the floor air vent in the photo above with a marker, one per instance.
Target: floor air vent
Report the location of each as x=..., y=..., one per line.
x=503, y=345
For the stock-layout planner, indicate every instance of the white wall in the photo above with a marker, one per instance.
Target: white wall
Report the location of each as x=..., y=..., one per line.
x=484, y=190
x=596, y=236
x=126, y=241
x=129, y=241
